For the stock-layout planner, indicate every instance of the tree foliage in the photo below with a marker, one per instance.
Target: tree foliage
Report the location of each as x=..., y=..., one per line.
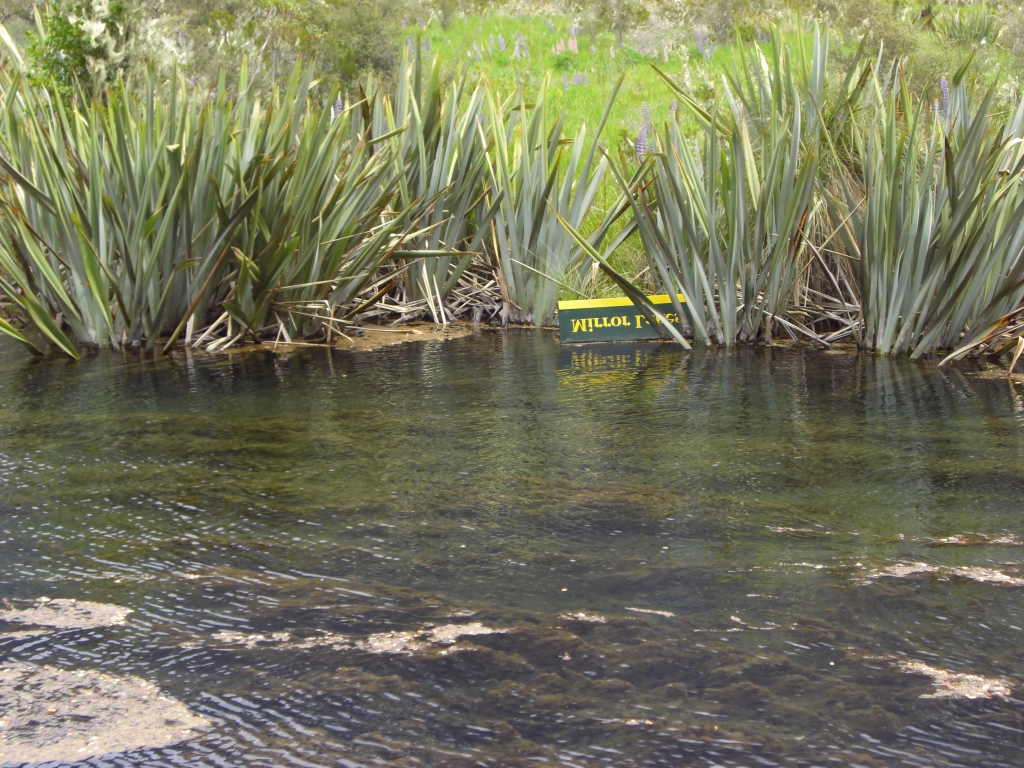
x=343, y=38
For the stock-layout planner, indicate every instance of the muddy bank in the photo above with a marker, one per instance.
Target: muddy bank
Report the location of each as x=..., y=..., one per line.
x=370, y=337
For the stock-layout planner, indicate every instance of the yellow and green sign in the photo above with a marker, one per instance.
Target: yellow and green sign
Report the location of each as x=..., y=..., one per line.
x=610, y=319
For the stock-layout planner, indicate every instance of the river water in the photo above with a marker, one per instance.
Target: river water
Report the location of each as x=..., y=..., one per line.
x=497, y=551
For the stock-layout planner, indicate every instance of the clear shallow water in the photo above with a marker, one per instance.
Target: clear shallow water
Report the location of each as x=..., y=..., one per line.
x=504, y=483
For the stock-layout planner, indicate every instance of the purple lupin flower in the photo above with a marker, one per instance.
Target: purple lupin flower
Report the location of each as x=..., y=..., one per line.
x=551, y=27
x=944, y=86
x=501, y=42
x=647, y=115
x=704, y=44
x=522, y=42
x=673, y=107
x=515, y=51
x=476, y=49
x=586, y=79
x=593, y=51
x=339, y=107
x=641, y=142
x=426, y=46
x=492, y=44
x=565, y=82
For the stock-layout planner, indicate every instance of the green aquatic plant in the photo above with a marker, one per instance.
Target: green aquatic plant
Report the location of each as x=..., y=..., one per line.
x=144, y=215
x=439, y=161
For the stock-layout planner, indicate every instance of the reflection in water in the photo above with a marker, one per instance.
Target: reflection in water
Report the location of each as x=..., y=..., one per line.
x=496, y=551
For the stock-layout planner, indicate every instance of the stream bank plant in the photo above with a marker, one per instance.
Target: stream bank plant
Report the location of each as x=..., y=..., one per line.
x=809, y=204
x=135, y=218
x=438, y=161
x=935, y=226
x=724, y=220
x=532, y=249
x=145, y=215
x=899, y=220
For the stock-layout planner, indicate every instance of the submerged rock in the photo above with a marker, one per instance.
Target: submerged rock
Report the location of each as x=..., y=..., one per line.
x=250, y=640
x=54, y=715
x=652, y=611
x=956, y=685
x=987, y=575
x=582, y=617
x=974, y=540
x=413, y=642
x=399, y=642
x=67, y=614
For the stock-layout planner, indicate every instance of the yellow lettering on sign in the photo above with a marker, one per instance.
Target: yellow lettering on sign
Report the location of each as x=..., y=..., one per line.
x=579, y=325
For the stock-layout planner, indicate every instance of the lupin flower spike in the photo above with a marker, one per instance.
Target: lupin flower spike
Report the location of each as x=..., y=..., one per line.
x=641, y=142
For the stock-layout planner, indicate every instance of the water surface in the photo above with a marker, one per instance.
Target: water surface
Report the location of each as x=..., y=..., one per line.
x=495, y=551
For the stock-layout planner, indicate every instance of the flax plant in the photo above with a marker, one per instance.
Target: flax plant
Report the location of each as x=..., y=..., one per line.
x=723, y=224
x=316, y=238
x=939, y=238
x=141, y=215
x=439, y=162
x=970, y=26
x=532, y=250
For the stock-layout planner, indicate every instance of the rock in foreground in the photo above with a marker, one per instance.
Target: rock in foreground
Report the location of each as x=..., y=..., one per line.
x=49, y=714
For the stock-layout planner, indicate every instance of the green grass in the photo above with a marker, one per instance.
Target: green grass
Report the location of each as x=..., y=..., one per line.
x=582, y=104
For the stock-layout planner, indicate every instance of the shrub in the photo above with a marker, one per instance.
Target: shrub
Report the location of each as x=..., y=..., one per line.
x=83, y=43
